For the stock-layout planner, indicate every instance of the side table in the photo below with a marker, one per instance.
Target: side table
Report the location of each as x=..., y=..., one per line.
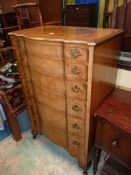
x=113, y=128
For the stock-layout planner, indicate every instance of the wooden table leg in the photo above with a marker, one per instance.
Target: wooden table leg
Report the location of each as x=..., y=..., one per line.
x=97, y=155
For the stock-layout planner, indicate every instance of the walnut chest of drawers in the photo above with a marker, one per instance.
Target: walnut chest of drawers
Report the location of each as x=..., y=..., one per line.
x=66, y=72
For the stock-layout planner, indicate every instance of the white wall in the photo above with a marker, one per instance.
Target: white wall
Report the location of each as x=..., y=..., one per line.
x=124, y=79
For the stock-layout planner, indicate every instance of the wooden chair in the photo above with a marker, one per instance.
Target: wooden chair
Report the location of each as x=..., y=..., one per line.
x=12, y=112
x=2, y=51
x=25, y=15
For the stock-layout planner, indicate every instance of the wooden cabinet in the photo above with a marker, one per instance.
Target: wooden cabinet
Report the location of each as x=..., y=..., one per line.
x=113, y=128
x=81, y=15
x=66, y=73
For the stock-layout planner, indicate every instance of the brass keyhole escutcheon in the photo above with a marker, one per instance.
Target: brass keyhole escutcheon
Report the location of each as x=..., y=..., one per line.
x=75, y=70
x=76, y=89
x=76, y=108
x=76, y=126
x=76, y=143
x=75, y=53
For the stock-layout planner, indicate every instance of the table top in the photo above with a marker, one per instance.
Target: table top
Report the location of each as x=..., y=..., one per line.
x=86, y=35
x=117, y=109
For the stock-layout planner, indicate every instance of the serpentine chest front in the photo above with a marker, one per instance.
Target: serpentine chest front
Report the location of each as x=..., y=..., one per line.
x=66, y=72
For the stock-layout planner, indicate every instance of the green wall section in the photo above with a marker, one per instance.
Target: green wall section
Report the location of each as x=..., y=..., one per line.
x=101, y=12
x=70, y=2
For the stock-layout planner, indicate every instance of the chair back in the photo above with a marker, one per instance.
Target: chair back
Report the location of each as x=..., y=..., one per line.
x=26, y=16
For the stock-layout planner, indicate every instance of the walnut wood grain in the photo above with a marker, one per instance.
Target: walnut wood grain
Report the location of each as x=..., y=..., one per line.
x=71, y=71
x=113, y=126
x=118, y=104
x=90, y=36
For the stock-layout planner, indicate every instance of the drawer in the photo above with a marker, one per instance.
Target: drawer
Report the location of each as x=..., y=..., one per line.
x=53, y=84
x=76, y=126
x=76, y=108
x=76, y=147
x=76, y=89
x=47, y=66
x=46, y=98
x=53, y=124
x=76, y=143
x=76, y=71
x=76, y=53
x=114, y=141
x=77, y=9
x=50, y=50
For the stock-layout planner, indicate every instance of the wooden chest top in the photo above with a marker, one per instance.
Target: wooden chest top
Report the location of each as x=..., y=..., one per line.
x=85, y=35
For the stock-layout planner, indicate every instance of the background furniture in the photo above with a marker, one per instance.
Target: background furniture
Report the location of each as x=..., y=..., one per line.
x=59, y=92
x=81, y=15
x=113, y=128
x=23, y=13
x=12, y=97
x=6, y=55
x=8, y=23
x=11, y=115
x=52, y=11
x=111, y=167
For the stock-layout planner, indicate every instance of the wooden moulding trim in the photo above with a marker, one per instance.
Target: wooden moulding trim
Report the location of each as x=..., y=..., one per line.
x=88, y=105
x=33, y=99
x=64, y=63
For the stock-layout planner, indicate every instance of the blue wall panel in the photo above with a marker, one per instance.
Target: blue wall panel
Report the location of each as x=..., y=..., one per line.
x=78, y=2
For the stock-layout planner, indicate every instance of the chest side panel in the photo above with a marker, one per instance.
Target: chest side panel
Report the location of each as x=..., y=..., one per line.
x=105, y=67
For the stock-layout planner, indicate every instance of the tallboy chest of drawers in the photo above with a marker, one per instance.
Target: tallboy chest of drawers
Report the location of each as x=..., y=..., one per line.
x=66, y=72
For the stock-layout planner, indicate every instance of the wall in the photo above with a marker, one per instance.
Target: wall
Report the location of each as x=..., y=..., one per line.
x=124, y=79
x=51, y=10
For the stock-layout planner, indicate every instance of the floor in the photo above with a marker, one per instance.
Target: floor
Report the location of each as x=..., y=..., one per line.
x=5, y=133
x=37, y=157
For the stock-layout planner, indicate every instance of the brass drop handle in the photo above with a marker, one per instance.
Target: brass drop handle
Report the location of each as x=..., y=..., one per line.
x=76, y=108
x=115, y=143
x=76, y=89
x=76, y=143
x=75, y=53
x=76, y=126
x=75, y=70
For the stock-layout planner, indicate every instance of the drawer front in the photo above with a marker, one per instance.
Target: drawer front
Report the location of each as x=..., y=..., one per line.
x=76, y=108
x=50, y=50
x=54, y=101
x=53, y=124
x=76, y=143
x=47, y=66
x=114, y=141
x=76, y=147
x=76, y=53
x=78, y=9
x=76, y=90
x=76, y=71
x=53, y=84
x=76, y=126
